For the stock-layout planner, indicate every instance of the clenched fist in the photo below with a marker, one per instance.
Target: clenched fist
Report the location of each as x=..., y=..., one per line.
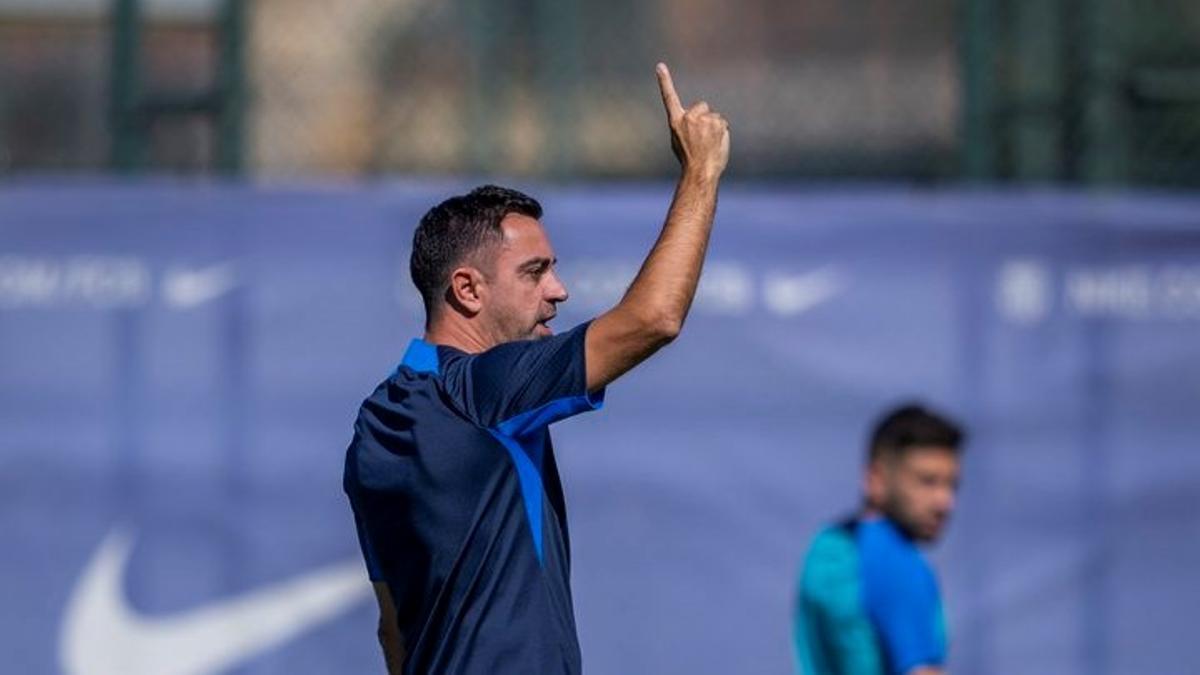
x=699, y=135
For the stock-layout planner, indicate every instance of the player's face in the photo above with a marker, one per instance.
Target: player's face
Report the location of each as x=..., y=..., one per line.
x=918, y=489
x=524, y=288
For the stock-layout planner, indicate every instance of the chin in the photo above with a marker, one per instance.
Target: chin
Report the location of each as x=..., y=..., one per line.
x=930, y=534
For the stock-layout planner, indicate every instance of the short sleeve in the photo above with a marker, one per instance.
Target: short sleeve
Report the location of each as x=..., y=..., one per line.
x=903, y=604
x=518, y=387
x=831, y=630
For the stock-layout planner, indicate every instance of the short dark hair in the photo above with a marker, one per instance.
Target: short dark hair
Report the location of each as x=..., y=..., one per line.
x=452, y=231
x=913, y=426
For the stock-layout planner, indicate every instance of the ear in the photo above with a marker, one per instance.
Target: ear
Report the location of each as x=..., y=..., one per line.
x=875, y=483
x=467, y=290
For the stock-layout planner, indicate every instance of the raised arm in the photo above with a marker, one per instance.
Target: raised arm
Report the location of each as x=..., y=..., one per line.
x=652, y=311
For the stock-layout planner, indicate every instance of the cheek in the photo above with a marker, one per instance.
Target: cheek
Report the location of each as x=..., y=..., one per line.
x=517, y=302
x=913, y=495
x=507, y=294
x=931, y=498
x=532, y=296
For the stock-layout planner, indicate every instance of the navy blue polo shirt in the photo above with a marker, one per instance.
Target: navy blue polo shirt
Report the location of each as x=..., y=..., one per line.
x=459, y=507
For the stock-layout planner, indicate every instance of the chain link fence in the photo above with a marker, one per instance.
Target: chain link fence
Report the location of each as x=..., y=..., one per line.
x=1074, y=91
x=56, y=85
x=550, y=88
x=1094, y=91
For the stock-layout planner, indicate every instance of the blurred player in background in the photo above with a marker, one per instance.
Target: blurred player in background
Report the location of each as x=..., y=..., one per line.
x=868, y=601
x=451, y=473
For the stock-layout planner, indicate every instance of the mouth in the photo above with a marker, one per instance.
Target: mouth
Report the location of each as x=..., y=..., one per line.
x=543, y=325
x=934, y=527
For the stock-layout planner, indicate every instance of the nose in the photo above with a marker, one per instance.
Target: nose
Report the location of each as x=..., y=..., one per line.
x=556, y=290
x=946, y=499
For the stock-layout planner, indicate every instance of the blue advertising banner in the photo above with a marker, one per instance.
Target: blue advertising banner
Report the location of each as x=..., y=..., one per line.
x=180, y=365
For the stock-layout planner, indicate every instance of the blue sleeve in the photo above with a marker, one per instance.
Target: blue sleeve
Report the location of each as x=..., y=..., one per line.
x=902, y=602
x=832, y=632
x=521, y=386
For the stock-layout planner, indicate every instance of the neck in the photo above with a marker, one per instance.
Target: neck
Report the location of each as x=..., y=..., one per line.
x=868, y=509
x=460, y=334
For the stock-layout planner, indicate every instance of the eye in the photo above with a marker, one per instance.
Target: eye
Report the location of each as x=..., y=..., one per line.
x=537, y=270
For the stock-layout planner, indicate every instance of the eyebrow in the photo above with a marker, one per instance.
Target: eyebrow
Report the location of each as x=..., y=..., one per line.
x=534, y=263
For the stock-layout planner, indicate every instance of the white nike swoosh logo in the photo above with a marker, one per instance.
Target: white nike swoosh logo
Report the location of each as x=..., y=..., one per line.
x=103, y=635
x=184, y=289
x=792, y=295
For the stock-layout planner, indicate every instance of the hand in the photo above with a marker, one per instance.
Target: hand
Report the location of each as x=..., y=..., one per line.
x=699, y=135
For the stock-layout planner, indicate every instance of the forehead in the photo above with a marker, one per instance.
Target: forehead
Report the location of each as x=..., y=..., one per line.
x=930, y=458
x=524, y=237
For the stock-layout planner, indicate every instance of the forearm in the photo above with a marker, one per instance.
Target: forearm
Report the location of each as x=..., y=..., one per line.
x=390, y=637
x=393, y=649
x=664, y=288
x=652, y=312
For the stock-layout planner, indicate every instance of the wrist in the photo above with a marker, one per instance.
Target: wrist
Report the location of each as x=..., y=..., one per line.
x=700, y=176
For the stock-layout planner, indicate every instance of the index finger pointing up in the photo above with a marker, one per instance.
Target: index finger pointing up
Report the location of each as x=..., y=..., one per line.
x=670, y=98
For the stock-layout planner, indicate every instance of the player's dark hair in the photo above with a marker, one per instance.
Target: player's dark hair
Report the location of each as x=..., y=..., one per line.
x=454, y=230
x=913, y=426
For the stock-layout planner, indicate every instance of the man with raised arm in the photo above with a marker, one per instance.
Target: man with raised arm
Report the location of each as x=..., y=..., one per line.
x=451, y=473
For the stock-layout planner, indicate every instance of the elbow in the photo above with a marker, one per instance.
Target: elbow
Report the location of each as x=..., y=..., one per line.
x=649, y=326
x=664, y=328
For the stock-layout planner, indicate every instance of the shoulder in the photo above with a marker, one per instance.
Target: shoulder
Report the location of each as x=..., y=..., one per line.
x=516, y=378
x=832, y=543
x=831, y=566
x=396, y=389
x=408, y=395
x=501, y=363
